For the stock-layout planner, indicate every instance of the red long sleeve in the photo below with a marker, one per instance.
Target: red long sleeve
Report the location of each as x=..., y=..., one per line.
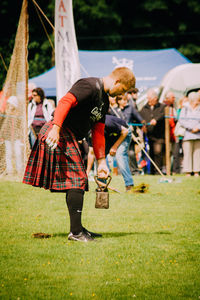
x=65, y=104
x=98, y=140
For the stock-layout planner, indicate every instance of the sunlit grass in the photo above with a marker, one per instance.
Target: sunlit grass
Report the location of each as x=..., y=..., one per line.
x=150, y=247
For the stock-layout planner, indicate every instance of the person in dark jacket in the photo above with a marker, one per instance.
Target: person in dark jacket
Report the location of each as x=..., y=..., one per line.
x=154, y=114
x=117, y=138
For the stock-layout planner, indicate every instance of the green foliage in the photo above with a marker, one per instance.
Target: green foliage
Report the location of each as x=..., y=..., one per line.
x=191, y=50
x=194, y=5
x=106, y=25
x=155, y=5
x=149, y=249
x=38, y=61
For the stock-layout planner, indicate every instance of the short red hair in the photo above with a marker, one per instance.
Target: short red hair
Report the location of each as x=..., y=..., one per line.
x=125, y=75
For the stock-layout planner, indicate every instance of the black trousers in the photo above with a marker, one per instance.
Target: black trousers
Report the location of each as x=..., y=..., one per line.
x=132, y=158
x=177, y=156
x=157, y=152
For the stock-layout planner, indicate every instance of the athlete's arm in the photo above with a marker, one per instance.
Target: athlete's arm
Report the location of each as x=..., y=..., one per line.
x=61, y=111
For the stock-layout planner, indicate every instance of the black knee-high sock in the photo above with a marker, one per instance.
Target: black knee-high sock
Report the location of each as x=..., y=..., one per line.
x=74, y=200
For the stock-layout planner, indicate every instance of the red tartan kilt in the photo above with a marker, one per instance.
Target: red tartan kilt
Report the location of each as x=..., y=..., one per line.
x=57, y=170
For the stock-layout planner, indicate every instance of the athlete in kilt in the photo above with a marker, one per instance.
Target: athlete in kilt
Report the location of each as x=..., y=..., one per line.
x=55, y=162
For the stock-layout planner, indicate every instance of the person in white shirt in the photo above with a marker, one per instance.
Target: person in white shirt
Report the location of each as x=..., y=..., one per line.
x=190, y=120
x=40, y=111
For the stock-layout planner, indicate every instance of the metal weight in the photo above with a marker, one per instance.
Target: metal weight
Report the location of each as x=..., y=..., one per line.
x=102, y=194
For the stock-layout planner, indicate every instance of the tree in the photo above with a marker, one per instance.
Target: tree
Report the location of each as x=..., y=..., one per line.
x=107, y=25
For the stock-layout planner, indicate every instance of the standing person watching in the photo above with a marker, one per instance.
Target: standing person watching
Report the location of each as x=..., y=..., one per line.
x=179, y=139
x=169, y=101
x=132, y=96
x=39, y=112
x=190, y=120
x=55, y=162
x=154, y=113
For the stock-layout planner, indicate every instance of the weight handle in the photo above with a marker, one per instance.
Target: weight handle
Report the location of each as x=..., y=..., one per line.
x=104, y=185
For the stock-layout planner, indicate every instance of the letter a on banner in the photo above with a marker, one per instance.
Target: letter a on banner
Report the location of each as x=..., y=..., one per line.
x=66, y=50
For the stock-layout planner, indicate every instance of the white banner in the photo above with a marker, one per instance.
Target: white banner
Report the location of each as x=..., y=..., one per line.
x=66, y=50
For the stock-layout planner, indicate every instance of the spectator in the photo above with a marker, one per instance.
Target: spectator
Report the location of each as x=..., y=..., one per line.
x=170, y=102
x=178, y=148
x=127, y=112
x=114, y=107
x=39, y=112
x=112, y=101
x=132, y=96
x=31, y=87
x=181, y=103
x=190, y=120
x=130, y=114
x=154, y=114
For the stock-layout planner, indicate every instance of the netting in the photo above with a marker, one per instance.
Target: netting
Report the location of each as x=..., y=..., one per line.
x=14, y=146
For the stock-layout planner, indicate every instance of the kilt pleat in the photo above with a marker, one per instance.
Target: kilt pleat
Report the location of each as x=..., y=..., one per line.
x=51, y=167
x=59, y=169
x=40, y=162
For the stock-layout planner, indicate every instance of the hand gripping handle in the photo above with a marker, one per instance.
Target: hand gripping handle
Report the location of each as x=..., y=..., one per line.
x=103, y=186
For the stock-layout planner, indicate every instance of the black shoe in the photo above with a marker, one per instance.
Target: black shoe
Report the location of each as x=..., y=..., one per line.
x=91, y=234
x=81, y=237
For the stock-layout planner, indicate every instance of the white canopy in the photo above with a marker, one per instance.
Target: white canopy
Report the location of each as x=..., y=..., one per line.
x=181, y=80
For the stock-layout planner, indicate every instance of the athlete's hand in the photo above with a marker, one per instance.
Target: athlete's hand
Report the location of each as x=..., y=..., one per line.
x=53, y=137
x=102, y=170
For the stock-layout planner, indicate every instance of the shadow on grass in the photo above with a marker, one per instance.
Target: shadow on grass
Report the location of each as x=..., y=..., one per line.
x=117, y=234
x=60, y=234
x=121, y=234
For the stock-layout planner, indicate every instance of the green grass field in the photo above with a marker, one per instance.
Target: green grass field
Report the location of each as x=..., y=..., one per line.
x=150, y=247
